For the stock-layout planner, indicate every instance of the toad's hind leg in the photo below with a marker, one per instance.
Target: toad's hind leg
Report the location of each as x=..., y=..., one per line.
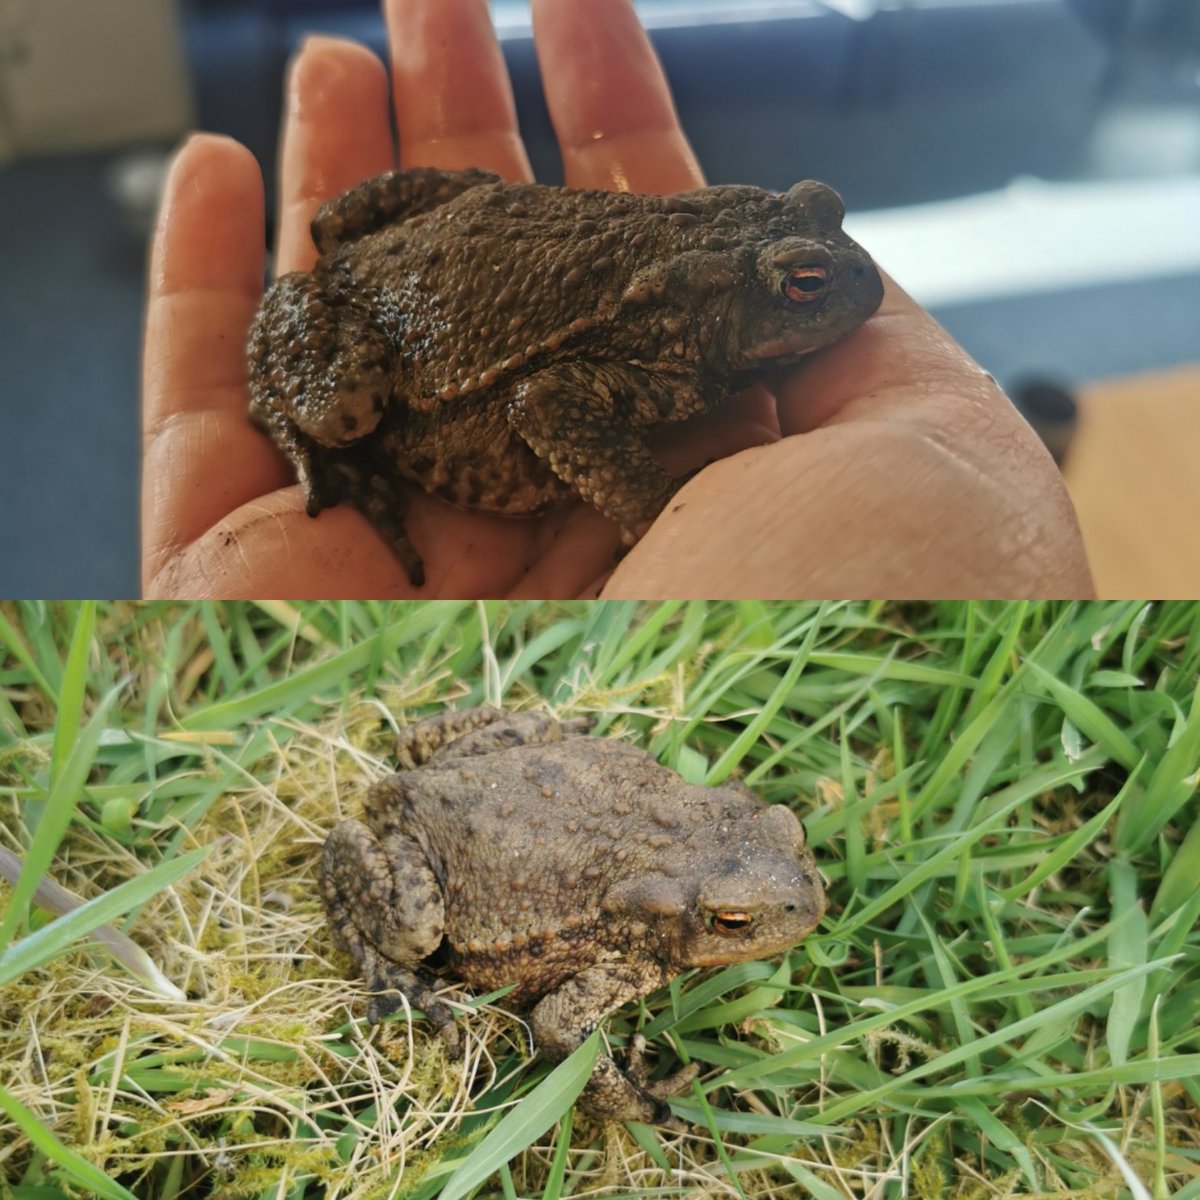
x=383, y=500
x=386, y=909
x=321, y=359
x=475, y=731
x=392, y=196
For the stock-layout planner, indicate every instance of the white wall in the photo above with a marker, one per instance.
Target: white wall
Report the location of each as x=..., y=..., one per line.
x=87, y=73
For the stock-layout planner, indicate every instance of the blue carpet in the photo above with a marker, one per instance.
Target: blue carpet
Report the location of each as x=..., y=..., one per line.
x=70, y=311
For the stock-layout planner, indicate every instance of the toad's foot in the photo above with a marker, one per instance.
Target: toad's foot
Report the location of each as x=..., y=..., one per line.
x=674, y=1084
x=391, y=985
x=564, y=1018
x=384, y=502
x=663, y=1089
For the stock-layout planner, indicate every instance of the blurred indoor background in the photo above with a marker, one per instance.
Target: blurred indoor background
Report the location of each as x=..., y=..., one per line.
x=1028, y=169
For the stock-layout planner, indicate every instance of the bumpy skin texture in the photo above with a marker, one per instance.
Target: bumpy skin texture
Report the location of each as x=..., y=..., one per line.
x=506, y=346
x=577, y=868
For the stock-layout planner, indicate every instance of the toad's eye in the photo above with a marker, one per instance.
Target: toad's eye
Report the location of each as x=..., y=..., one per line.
x=803, y=285
x=730, y=923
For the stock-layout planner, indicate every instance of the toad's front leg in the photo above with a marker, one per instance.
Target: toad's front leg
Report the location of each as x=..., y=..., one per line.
x=566, y=1017
x=585, y=420
x=386, y=909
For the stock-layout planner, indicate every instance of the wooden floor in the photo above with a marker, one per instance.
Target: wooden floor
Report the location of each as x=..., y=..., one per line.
x=1134, y=474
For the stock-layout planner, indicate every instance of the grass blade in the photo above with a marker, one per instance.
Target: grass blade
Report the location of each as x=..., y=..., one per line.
x=1179, y=880
x=73, y=690
x=527, y=1122
x=79, y=1170
x=1172, y=785
x=56, y=817
x=1006, y=802
x=1127, y=947
x=1008, y=1033
x=1072, y=844
x=1088, y=717
x=51, y=940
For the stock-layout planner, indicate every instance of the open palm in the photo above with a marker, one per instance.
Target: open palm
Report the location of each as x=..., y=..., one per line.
x=887, y=464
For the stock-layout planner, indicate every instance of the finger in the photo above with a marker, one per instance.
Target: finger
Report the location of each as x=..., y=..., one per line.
x=573, y=547
x=201, y=457
x=453, y=99
x=609, y=100
x=903, y=368
x=617, y=128
x=901, y=381
x=269, y=546
x=469, y=553
x=336, y=134
x=858, y=509
x=745, y=420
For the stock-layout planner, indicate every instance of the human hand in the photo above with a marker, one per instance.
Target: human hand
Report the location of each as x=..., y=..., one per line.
x=914, y=475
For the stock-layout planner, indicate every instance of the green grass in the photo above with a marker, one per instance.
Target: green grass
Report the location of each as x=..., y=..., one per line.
x=1001, y=1002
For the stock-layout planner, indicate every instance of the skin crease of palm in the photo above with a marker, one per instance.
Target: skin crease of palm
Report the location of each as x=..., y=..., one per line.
x=887, y=464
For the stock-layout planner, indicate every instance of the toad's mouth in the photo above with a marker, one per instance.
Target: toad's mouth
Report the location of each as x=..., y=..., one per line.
x=719, y=960
x=781, y=352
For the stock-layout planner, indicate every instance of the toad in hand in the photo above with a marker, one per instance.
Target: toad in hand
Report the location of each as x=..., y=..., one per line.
x=508, y=346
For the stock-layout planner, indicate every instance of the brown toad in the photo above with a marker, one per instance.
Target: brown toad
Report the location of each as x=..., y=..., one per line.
x=507, y=346
x=511, y=850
